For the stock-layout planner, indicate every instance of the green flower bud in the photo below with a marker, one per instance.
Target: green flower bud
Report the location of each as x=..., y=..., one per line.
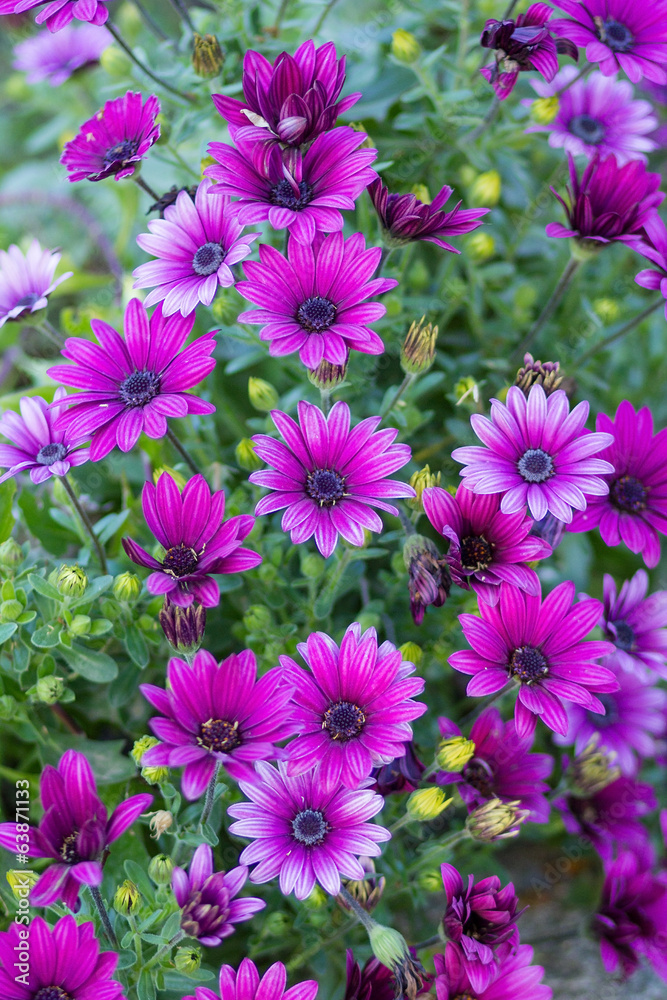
x=160, y=869
x=426, y=804
x=263, y=396
x=421, y=192
x=11, y=554
x=114, y=62
x=388, y=945
x=405, y=47
x=419, y=482
x=327, y=376
x=496, y=820
x=141, y=746
x=155, y=775
x=257, y=618
x=312, y=566
x=71, y=581
x=607, y=309
x=126, y=587
x=246, y=456
x=127, y=898
x=178, y=477
x=49, y=690
x=480, y=246
x=207, y=56
x=224, y=308
x=486, y=189
x=453, y=754
x=10, y=610
x=80, y=625
x=430, y=881
x=410, y=651
x=466, y=390
x=418, y=351
x=187, y=959
x=544, y=109
x=21, y=882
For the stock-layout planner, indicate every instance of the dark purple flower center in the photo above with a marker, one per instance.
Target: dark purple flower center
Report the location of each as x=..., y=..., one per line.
x=139, y=388
x=475, y=553
x=627, y=493
x=614, y=34
x=118, y=155
x=283, y=194
x=51, y=453
x=68, y=851
x=478, y=774
x=52, y=993
x=624, y=637
x=528, y=665
x=587, y=128
x=611, y=715
x=535, y=465
x=465, y=996
x=180, y=560
x=28, y=300
x=219, y=735
x=344, y=721
x=208, y=259
x=316, y=314
x=309, y=827
x=325, y=486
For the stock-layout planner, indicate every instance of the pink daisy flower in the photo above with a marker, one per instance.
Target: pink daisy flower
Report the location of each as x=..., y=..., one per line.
x=114, y=141
x=247, y=985
x=55, y=58
x=36, y=446
x=57, y=14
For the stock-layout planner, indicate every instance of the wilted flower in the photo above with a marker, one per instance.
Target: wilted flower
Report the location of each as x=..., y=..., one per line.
x=160, y=823
x=207, y=56
x=520, y=45
x=402, y=775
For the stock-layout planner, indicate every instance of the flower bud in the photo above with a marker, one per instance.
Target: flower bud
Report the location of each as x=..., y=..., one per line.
x=419, y=482
x=430, y=880
x=405, y=47
x=207, y=56
x=466, y=390
x=80, y=625
x=388, y=945
x=160, y=822
x=327, y=376
x=543, y=110
x=246, y=456
x=187, y=959
x=421, y=192
x=10, y=610
x=428, y=576
x=411, y=652
x=486, y=189
x=183, y=627
x=160, y=869
x=49, y=690
x=496, y=820
x=127, y=898
x=155, y=775
x=312, y=566
x=366, y=891
x=257, y=618
x=141, y=746
x=114, y=62
x=11, y=554
x=71, y=581
x=453, y=754
x=480, y=246
x=178, y=477
x=427, y=803
x=607, y=309
x=21, y=882
x=224, y=308
x=126, y=587
x=263, y=396
x=418, y=351
x=592, y=769
x=547, y=374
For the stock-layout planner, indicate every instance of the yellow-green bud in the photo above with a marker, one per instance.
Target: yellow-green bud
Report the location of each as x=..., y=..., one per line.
x=10, y=610
x=486, y=189
x=607, y=309
x=21, y=882
x=246, y=456
x=316, y=898
x=466, y=390
x=160, y=869
x=480, y=246
x=418, y=351
x=71, y=581
x=127, y=898
x=141, y=746
x=11, y=554
x=404, y=46
x=263, y=396
x=178, y=477
x=496, y=820
x=206, y=161
x=419, y=482
x=155, y=775
x=126, y=587
x=257, y=618
x=187, y=959
x=160, y=822
x=327, y=376
x=388, y=945
x=543, y=110
x=592, y=769
x=312, y=566
x=411, y=652
x=430, y=881
x=453, y=754
x=80, y=625
x=426, y=804
x=422, y=192
x=224, y=308
x=49, y=690
x=276, y=924
x=207, y=56
x=114, y=62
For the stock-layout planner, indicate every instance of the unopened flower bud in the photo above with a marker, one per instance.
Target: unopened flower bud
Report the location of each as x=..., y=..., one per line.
x=366, y=891
x=453, y=754
x=183, y=627
x=404, y=46
x=316, y=898
x=411, y=653
x=421, y=192
x=49, y=690
x=263, y=396
x=141, y=746
x=496, y=820
x=187, y=959
x=427, y=803
x=592, y=769
x=160, y=869
x=388, y=945
x=547, y=374
x=21, y=882
x=607, y=309
x=11, y=554
x=480, y=246
x=127, y=898
x=312, y=566
x=418, y=351
x=71, y=581
x=246, y=456
x=126, y=587
x=207, y=56
x=430, y=880
x=486, y=189
x=178, y=477
x=419, y=482
x=10, y=610
x=80, y=625
x=160, y=823
x=154, y=775
x=327, y=376
x=114, y=62
x=466, y=390
x=257, y=618
x=544, y=109
x=428, y=576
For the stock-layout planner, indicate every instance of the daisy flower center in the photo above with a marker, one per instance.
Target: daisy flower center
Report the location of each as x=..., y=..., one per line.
x=139, y=388
x=344, y=721
x=68, y=851
x=528, y=664
x=219, y=735
x=587, y=128
x=625, y=636
x=535, y=465
x=614, y=34
x=52, y=993
x=325, y=486
x=475, y=552
x=118, y=154
x=284, y=195
x=28, y=300
x=309, y=827
x=478, y=774
x=627, y=493
x=316, y=314
x=51, y=453
x=180, y=560
x=208, y=259
x=611, y=715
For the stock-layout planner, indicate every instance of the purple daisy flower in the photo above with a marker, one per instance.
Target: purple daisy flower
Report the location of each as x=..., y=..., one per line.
x=55, y=58
x=378, y=982
x=329, y=476
x=514, y=978
x=536, y=453
x=636, y=624
x=485, y=545
x=65, y=963
x=57, y=14
x=609, y=203
x=429, y=581
x=597, y=114
x=635, y=508
x=539, y=645
x=302, y=192
x=618, y=34
x=132, y=385
x=302, y=833
x=206, y=898
x=74, y=830
x=195, y=243
x=295, y=99
x=217, y=714
x=114, y=141
x=26, y=280
x=502, y=766
x=354, y=712
x=520, y=45
x=653, y=246
x=401, y=775
x=247, y=985
x=405, y=219
x=313, y=301
x=197, y=542
x=36, y=446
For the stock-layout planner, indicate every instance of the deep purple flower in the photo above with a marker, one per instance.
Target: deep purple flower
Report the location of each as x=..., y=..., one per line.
x=196, y=540
x=429, y=581
x=132, y=385
x=195, y=243
x=502, y=766
x=610, y=203
x=206, y=898
x=64, y=962
x=329, y=476
x=653, y=246
x=636, y=624
x=295, y=99
x=36, y=446
x=114, y=141
x=57, y=14
x=374, y=982
x=74, y=830
x=217, y=713
x=55, y=58
x=514, y=978
x=405, y=219
x=539, y=645
x=302, y=192
x=353, y=711
x=401, y=775
x=635, y=509
x=520, y=45
x=537, y=453
x=247, y=985
x=26, y=280
x=304, y=834
x=313, y=301
x=618, y=34
x=485, y=545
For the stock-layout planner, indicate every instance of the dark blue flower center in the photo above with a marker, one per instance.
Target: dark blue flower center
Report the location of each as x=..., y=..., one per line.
x=625, y=637
x=614, y=34
x=52, y=993
x=180, y=560
x=68, y=851
x=535, y=465
x=587, y=128
x=51, y=453
x=309, y=827
x=475, y=553
x=478, y=774
x=219, y=735
x=119, y=154
x=208, y=259
x=325, y=486
x=528, y=664
x=284, y=195
x=316, y=314
x=627, y=493
x=344, y=721
x=28, y=300
x=611, y=712
x=139, y=388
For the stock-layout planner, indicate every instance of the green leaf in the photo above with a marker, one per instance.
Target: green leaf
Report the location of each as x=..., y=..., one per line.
x=126, y=959
x=44, y=588
x=7, y=630
x=90, y=663
x=46, y=636
x=107, y=526
x=7, y=491
x=52, y=537
x=172, y=926
x=176, y=981
x=146, y=986
x=110, y=765
x=136, y=647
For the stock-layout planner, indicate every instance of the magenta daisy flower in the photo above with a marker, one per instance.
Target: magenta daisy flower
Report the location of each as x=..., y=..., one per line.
x=637, y=625
x=485, y=545
x=131, y=386
x=537, y=453
x=114, y=141
x=513, y=979
x=247, y=985
x=36, y=446
x=75, y=830
x=520, y=45
x=405, y=219
x=313, y=301
x=302, y=833
x=653, y=246
x=26, y=280
x=329, y=476
x=618, y=34
x=197, y=542
x=57, y=14
x=195, y=243
x=294, y=100
x=302, y=192
x=353, y=711
x=54, y=58
x=217, y=713
x=635, y=508
x=539, y=645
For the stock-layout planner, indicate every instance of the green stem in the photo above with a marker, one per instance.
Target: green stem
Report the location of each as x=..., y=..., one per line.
x=429, y=942
x=325, y=400
x=488, y=119
x=408, y=526
x=182, y=452
x=329, y=590
x=142, y=66
x=300, y=960
x=436, y=851
x=323, y=16
x=183, y=12
x=52, y=334
x=282, y=10
x=85, y=520
x=463, y=40
x=405, y=384
x=164, y=950
x=553, y=302
x=140, y=182
x=210, y=795
x=186, y=166
x=630, y=325
x=357, y=909
x=400, y=823
x=137, y=940
x=104, y=916
x=150, y=21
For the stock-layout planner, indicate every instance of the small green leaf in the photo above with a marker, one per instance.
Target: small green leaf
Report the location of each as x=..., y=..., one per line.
x=7, y=630
x=143, y=883
x=100, y=626
x=44, y=588
x=146, y=986
x=7, y=491
x=90, y=663
x=136, y=647
x=107, y=526
x=126, y=959
x=46, y=636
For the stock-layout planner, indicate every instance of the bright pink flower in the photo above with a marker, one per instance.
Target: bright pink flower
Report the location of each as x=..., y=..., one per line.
x=37, y=447
x=514, y=979
x=247, y=985
x=114, y=141
x=57, y=14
